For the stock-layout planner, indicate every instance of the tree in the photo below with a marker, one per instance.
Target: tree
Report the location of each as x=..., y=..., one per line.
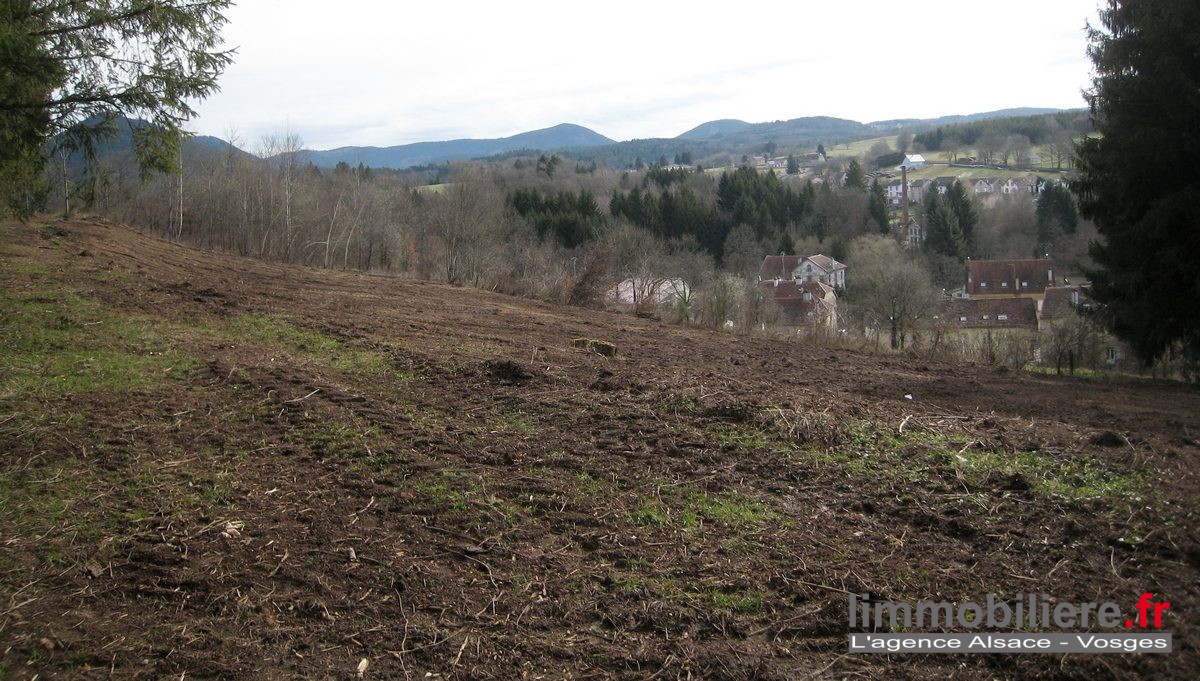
x=943, y=235
x=855, y=179
x=890, y=288
x=1056, y=215
x=959, y=201
x=1145, y=204
x=73, y=68
x=904, y=141
x=877, y=205
x=793, y=166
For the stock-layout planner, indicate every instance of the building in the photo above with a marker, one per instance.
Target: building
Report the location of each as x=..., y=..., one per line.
x=913, y=162
x=1009, y=278
x=800, y=269
x=808, y=304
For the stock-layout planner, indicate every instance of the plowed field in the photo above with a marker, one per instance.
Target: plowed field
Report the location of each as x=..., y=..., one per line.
x=215, y=467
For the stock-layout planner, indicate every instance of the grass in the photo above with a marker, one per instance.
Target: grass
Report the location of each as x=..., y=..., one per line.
x=56, y=343
x=691, y=510
x=281, y=333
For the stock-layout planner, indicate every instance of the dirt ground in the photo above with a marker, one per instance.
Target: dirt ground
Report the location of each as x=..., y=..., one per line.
x=215, y=467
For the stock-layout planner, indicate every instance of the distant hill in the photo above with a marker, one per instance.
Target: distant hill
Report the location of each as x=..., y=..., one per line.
x=421, y=153
x=918, y=123
x=795, y=131
x=712, y=129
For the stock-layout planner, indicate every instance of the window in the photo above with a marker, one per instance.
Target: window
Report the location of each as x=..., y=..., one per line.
x=1002, y=317
x=962, y=318
x=986, y=317
x=1004, y=284
x=1024, y=284
x=983, y=284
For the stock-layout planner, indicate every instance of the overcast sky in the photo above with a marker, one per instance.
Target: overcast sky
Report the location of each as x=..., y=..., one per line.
x=381, y=72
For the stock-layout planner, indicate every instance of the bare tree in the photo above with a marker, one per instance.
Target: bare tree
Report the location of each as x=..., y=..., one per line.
x=890, y=288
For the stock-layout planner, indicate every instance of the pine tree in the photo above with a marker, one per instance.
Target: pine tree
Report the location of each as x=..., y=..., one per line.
x=1145, y=203
x=877, y=205
x=854, y=176
x=964, y=214
x=71, y=69
x=942, y=232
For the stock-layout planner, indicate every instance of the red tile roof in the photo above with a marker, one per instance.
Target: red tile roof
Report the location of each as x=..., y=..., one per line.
x=778, y=266
x=793, y=308
x=1015, y=277
x=1061, y=301
x=998, y=313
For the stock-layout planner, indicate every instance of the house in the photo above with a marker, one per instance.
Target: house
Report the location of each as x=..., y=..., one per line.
x=1009, y=278
x=986, y=185
x=1016, y=185
x=649, y=292
x=800, y=269
x=913, y=162
x=990, y=328
x=943, y=184
x=808, y=303
x=917, y=189
x=1061, y=302
x=895, y=192
x=1070, y=338
x=914, y=233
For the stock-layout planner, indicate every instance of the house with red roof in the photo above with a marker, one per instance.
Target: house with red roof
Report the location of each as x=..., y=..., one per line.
x=1009, y=278
x=803, y=304
x=799, y=269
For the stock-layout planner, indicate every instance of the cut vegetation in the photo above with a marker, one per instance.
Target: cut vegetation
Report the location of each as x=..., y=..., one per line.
x=216, y=467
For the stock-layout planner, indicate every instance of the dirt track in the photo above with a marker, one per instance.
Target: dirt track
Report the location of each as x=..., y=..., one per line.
x=433, y=479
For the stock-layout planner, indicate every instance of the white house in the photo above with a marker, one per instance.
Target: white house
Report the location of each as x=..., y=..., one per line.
x=800, y=269
x=913, y=162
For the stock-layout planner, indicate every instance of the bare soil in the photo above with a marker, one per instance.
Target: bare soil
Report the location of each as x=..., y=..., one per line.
x=282, y=472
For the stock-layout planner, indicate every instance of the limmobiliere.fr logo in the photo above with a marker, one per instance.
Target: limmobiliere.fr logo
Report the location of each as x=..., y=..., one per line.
x=1026, y=619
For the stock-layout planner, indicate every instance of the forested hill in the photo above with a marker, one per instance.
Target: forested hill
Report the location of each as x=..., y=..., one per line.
x=916, y=124
x=420, y=153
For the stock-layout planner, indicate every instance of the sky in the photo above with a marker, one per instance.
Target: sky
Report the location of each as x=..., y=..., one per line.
x=383, y=73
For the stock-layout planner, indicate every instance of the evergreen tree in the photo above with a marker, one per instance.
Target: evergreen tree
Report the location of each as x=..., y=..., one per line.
x=793, y=166
x=70, y=69
x=1146, y=203
x=965, y=214
x=877, y=205
x=942, y=232
x=1056, y=215
x=855, y=179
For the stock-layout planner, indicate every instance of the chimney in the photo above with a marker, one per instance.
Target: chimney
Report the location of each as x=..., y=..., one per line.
x=904, y=201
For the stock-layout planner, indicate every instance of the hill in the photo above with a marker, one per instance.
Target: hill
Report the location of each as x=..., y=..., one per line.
x=810, y=129
x=714, y=129
x=421, y=153
x=916, y=124
x=217, y=467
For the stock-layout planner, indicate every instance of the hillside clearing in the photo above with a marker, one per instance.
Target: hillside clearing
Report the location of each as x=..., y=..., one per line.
x=217, y=467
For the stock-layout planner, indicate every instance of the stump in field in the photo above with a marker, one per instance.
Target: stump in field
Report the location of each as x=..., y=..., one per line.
x=602, y=347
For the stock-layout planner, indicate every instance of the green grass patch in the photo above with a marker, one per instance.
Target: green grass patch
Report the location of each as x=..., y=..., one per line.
x=690, y=510
x=1073, y=478
x=749, y=602
x=55, y=343
x=281, y=333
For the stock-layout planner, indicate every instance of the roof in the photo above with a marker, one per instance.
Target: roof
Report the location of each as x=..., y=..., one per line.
x=826, y=263
x=914, y=158
x=992, y=313
x=1016, y=277
x=1060, y=301
x=778, y=266
x=793, y=308
x=782, y=266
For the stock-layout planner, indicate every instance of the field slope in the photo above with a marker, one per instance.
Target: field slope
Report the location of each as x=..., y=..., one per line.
x=215, y=467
